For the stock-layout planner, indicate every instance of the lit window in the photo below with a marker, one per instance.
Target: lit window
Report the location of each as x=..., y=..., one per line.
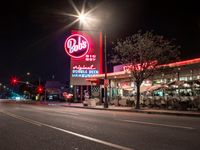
x=190, y=78
x=183, y=78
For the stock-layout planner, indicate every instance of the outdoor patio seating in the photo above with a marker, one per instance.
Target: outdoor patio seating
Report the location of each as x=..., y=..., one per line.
x=123, y=102
x=114, y=102
x=91, y=102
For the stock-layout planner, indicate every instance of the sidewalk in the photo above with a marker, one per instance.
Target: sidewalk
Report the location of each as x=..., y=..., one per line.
x=131, y=109
x=112, y=108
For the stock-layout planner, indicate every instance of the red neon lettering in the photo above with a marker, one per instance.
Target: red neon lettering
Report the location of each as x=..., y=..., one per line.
x=79, y=67
x=140, y=67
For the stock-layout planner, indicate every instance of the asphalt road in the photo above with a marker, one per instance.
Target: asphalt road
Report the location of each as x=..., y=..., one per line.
x=29, y=127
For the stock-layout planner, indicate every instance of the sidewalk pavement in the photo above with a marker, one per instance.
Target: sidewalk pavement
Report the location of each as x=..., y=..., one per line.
x=112, y=108
x=131, y=109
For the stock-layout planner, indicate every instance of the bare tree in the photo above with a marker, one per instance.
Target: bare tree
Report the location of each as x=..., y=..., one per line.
x=144, y=54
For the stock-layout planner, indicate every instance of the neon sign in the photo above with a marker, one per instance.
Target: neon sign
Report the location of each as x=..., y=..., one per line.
x=85, y=51
x=79, y=67
x=84, y=71
x=140, y=67
x=76, y=46
x=90, y=57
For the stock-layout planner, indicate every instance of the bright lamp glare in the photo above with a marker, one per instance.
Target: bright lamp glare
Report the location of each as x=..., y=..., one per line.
x=82, y=17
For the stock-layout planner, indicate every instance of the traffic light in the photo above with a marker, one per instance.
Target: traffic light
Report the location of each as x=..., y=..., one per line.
x=40, y=89
x=14, y=81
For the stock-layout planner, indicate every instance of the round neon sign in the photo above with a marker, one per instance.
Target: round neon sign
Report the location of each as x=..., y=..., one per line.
x=76, y=46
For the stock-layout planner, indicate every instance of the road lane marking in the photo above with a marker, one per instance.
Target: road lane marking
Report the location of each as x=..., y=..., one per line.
x=157, y=124
x=90, y=138
x=52, y=111
x=75, y=114
x=69, y=132
x=22, y=118
x=63, y=113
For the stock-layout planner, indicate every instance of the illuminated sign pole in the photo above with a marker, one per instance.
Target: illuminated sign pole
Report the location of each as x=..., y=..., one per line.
x=106, y=82
x=85, y=51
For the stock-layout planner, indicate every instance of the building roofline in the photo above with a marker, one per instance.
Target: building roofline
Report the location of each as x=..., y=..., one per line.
x=183, y=63
x=175, y=64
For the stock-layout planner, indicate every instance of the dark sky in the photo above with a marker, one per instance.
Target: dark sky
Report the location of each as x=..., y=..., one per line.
x=32, y=33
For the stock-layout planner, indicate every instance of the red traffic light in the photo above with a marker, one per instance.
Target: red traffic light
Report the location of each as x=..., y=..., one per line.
x=14, y=80
x=40, y=89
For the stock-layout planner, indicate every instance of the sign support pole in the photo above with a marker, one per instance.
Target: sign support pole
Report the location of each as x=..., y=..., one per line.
x=105, y=78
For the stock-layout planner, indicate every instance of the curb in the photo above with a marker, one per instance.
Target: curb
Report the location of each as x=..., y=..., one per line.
x=140, y=111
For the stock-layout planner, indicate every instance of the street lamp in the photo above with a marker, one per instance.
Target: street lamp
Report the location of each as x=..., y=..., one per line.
x=32, y=75
x=39, y=88
x=105, y=77
x=84, y=18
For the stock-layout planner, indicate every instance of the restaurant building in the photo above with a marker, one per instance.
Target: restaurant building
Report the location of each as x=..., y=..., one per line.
x=183, y=80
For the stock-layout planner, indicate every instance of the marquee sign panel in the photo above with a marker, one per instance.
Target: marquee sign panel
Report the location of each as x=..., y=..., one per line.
x=85, y=51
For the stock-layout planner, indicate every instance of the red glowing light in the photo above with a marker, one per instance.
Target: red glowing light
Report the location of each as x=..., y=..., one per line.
x=182, y=63
x=76, y=46
x=67, y=95
x=14, y=80
x=140, y=67
x=40, y=89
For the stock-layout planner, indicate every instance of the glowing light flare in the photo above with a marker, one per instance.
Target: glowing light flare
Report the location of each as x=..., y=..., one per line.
x=14, y=80
x=82, y=17
x=74, y=6
x=40, y=89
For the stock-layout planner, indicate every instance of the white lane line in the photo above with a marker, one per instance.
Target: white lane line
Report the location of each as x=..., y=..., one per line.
x=70, y=132
x=52, y=111
x=91, y=139
x=157, y=124
x=61, y=115
x=57, y=113
x=22, y=118
x=75, y=114
x=67, y=113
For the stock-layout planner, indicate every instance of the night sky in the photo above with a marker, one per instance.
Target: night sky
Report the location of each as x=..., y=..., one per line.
x=33, y=32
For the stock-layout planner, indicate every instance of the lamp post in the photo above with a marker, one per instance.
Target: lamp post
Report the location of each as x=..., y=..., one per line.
x=105, y=78
x=32, y=75
x=83, y=19
x=35, y=78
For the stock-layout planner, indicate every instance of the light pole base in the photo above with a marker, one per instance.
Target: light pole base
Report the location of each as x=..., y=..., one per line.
x=105, y=105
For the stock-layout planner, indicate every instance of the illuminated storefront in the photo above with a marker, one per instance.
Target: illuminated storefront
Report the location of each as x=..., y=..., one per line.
x=184, y=79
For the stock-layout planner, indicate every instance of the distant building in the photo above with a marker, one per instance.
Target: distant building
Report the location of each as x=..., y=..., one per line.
x=54, y=90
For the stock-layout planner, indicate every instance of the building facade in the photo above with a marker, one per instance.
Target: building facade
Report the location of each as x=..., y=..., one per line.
x=182, y=80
